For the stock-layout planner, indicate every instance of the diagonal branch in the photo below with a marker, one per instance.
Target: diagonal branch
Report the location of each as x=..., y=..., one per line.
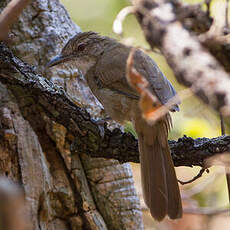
x=192, y=64
x=37, y=96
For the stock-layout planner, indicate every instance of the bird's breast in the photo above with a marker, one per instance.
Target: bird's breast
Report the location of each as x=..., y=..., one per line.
x=117, y=105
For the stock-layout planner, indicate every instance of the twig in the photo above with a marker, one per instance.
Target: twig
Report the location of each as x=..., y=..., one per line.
x=207, y=2
x=9, y=15
x=194, y=178
x=164, y=109
x=117, y=24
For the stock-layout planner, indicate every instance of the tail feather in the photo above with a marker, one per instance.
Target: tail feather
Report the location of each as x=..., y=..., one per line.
x=159, y=182
x=153, y=181
x=174, y=198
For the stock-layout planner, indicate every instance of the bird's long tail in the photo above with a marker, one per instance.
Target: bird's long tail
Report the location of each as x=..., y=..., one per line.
x=159, y=182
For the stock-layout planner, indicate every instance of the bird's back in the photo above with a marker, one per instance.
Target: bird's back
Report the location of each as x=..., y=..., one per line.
x=111, y=71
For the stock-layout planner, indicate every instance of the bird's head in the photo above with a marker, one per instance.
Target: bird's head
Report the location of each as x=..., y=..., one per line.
x=82, y=51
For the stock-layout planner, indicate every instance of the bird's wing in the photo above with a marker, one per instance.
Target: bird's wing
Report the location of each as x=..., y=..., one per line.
x=110, y=71
x=158, y=83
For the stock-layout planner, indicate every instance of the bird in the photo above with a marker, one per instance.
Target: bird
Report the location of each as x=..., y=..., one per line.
x=102, y=61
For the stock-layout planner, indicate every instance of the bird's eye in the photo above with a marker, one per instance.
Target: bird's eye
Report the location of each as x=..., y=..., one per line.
x=81, y=47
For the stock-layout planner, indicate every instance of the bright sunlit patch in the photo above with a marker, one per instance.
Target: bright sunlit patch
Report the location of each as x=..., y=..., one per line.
x=198, y=127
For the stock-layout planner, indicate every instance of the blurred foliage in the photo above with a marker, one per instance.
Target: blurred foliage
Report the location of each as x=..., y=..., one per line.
x=129, y=129
x=195, y=119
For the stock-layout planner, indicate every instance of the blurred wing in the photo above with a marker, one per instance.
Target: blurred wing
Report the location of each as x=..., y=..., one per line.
x=159, y=84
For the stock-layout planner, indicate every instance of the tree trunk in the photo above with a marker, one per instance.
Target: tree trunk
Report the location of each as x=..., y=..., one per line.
x=62, y=191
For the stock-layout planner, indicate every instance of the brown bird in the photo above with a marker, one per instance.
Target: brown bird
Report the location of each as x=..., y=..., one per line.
x=102, y=61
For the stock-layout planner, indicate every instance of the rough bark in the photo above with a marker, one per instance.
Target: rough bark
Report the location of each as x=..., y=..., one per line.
x=61, y=193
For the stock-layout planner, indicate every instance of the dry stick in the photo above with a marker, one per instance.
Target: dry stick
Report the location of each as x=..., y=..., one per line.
x=194, y=178
x=164, y=109
x=117, y=24
x=9, y=15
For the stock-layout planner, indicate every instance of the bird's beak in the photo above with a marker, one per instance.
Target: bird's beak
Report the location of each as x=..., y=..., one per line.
x=57, y=60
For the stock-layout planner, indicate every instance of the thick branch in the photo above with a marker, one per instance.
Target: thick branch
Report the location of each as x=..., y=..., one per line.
x=37, y=95
x=218, y=46
x=193, y=65
x=185, y=152
x=192, y=16
x=197, y=21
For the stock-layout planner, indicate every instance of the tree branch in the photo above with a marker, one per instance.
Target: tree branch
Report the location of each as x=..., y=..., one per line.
x=192, y=64
x=38, y=96
x=186, y=151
